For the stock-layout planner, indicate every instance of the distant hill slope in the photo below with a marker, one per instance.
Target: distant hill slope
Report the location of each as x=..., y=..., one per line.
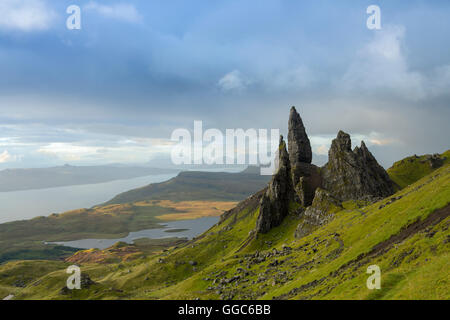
x=411, y=169
x=195, y=185
x=41, y=178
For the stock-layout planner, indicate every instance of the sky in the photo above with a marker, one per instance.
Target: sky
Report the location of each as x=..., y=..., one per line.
x=115, y=90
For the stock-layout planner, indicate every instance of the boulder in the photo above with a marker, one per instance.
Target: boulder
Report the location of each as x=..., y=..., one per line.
x=436, y=161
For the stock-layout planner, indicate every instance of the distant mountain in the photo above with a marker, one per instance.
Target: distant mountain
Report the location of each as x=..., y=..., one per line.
x=197, y=185
x=41, y=178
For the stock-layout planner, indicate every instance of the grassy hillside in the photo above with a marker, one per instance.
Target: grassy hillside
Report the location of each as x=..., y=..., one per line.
x=210, y=186
x=411, y=169
x=406, y=235
x=24, y=239
x=122, y=251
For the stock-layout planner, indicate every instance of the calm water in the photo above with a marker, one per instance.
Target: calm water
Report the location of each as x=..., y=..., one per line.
x=21, y=205
x=195, y=227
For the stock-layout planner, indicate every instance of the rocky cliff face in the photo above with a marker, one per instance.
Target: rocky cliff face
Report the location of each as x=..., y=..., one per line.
x=295, y=180
x=298, y=142
x=436, y=161
x=306, y=179
x=348, y=175
x=320, y=212
x=275, y=202
x=351, y=175
x=305, y=176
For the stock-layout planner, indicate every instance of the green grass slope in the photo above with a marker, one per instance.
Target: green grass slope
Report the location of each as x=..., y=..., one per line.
x=411, y=169
x=406, y=235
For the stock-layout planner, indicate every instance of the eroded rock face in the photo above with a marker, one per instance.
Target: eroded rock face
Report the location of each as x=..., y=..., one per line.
x=296, y=179
x=348, y=175
x=306, y=179
x=275, y=202
x=353, y=175
x=298, y=141
x=320, y=212
x=436, y=161
x=305, y=176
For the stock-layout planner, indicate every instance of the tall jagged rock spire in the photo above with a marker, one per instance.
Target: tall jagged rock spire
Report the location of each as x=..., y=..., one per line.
x=296, y=179
x=298, y=141
x=275, y=203
x=305, y=176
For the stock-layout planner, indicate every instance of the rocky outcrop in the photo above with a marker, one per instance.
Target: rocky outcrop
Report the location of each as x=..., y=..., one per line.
x=296, y=179
x=298, y=141
x=352, y=175
x=320, y=212
x=85, y=283
x=305, y=176
x=275, y=202
x=348, y=175
x=436, y=161
x=306, y=179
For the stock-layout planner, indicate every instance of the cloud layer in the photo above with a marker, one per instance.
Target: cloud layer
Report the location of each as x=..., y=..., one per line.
x=382, y=66
x=119, y=11
x=6, y=157
x=25, y=15
x=115, y=90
